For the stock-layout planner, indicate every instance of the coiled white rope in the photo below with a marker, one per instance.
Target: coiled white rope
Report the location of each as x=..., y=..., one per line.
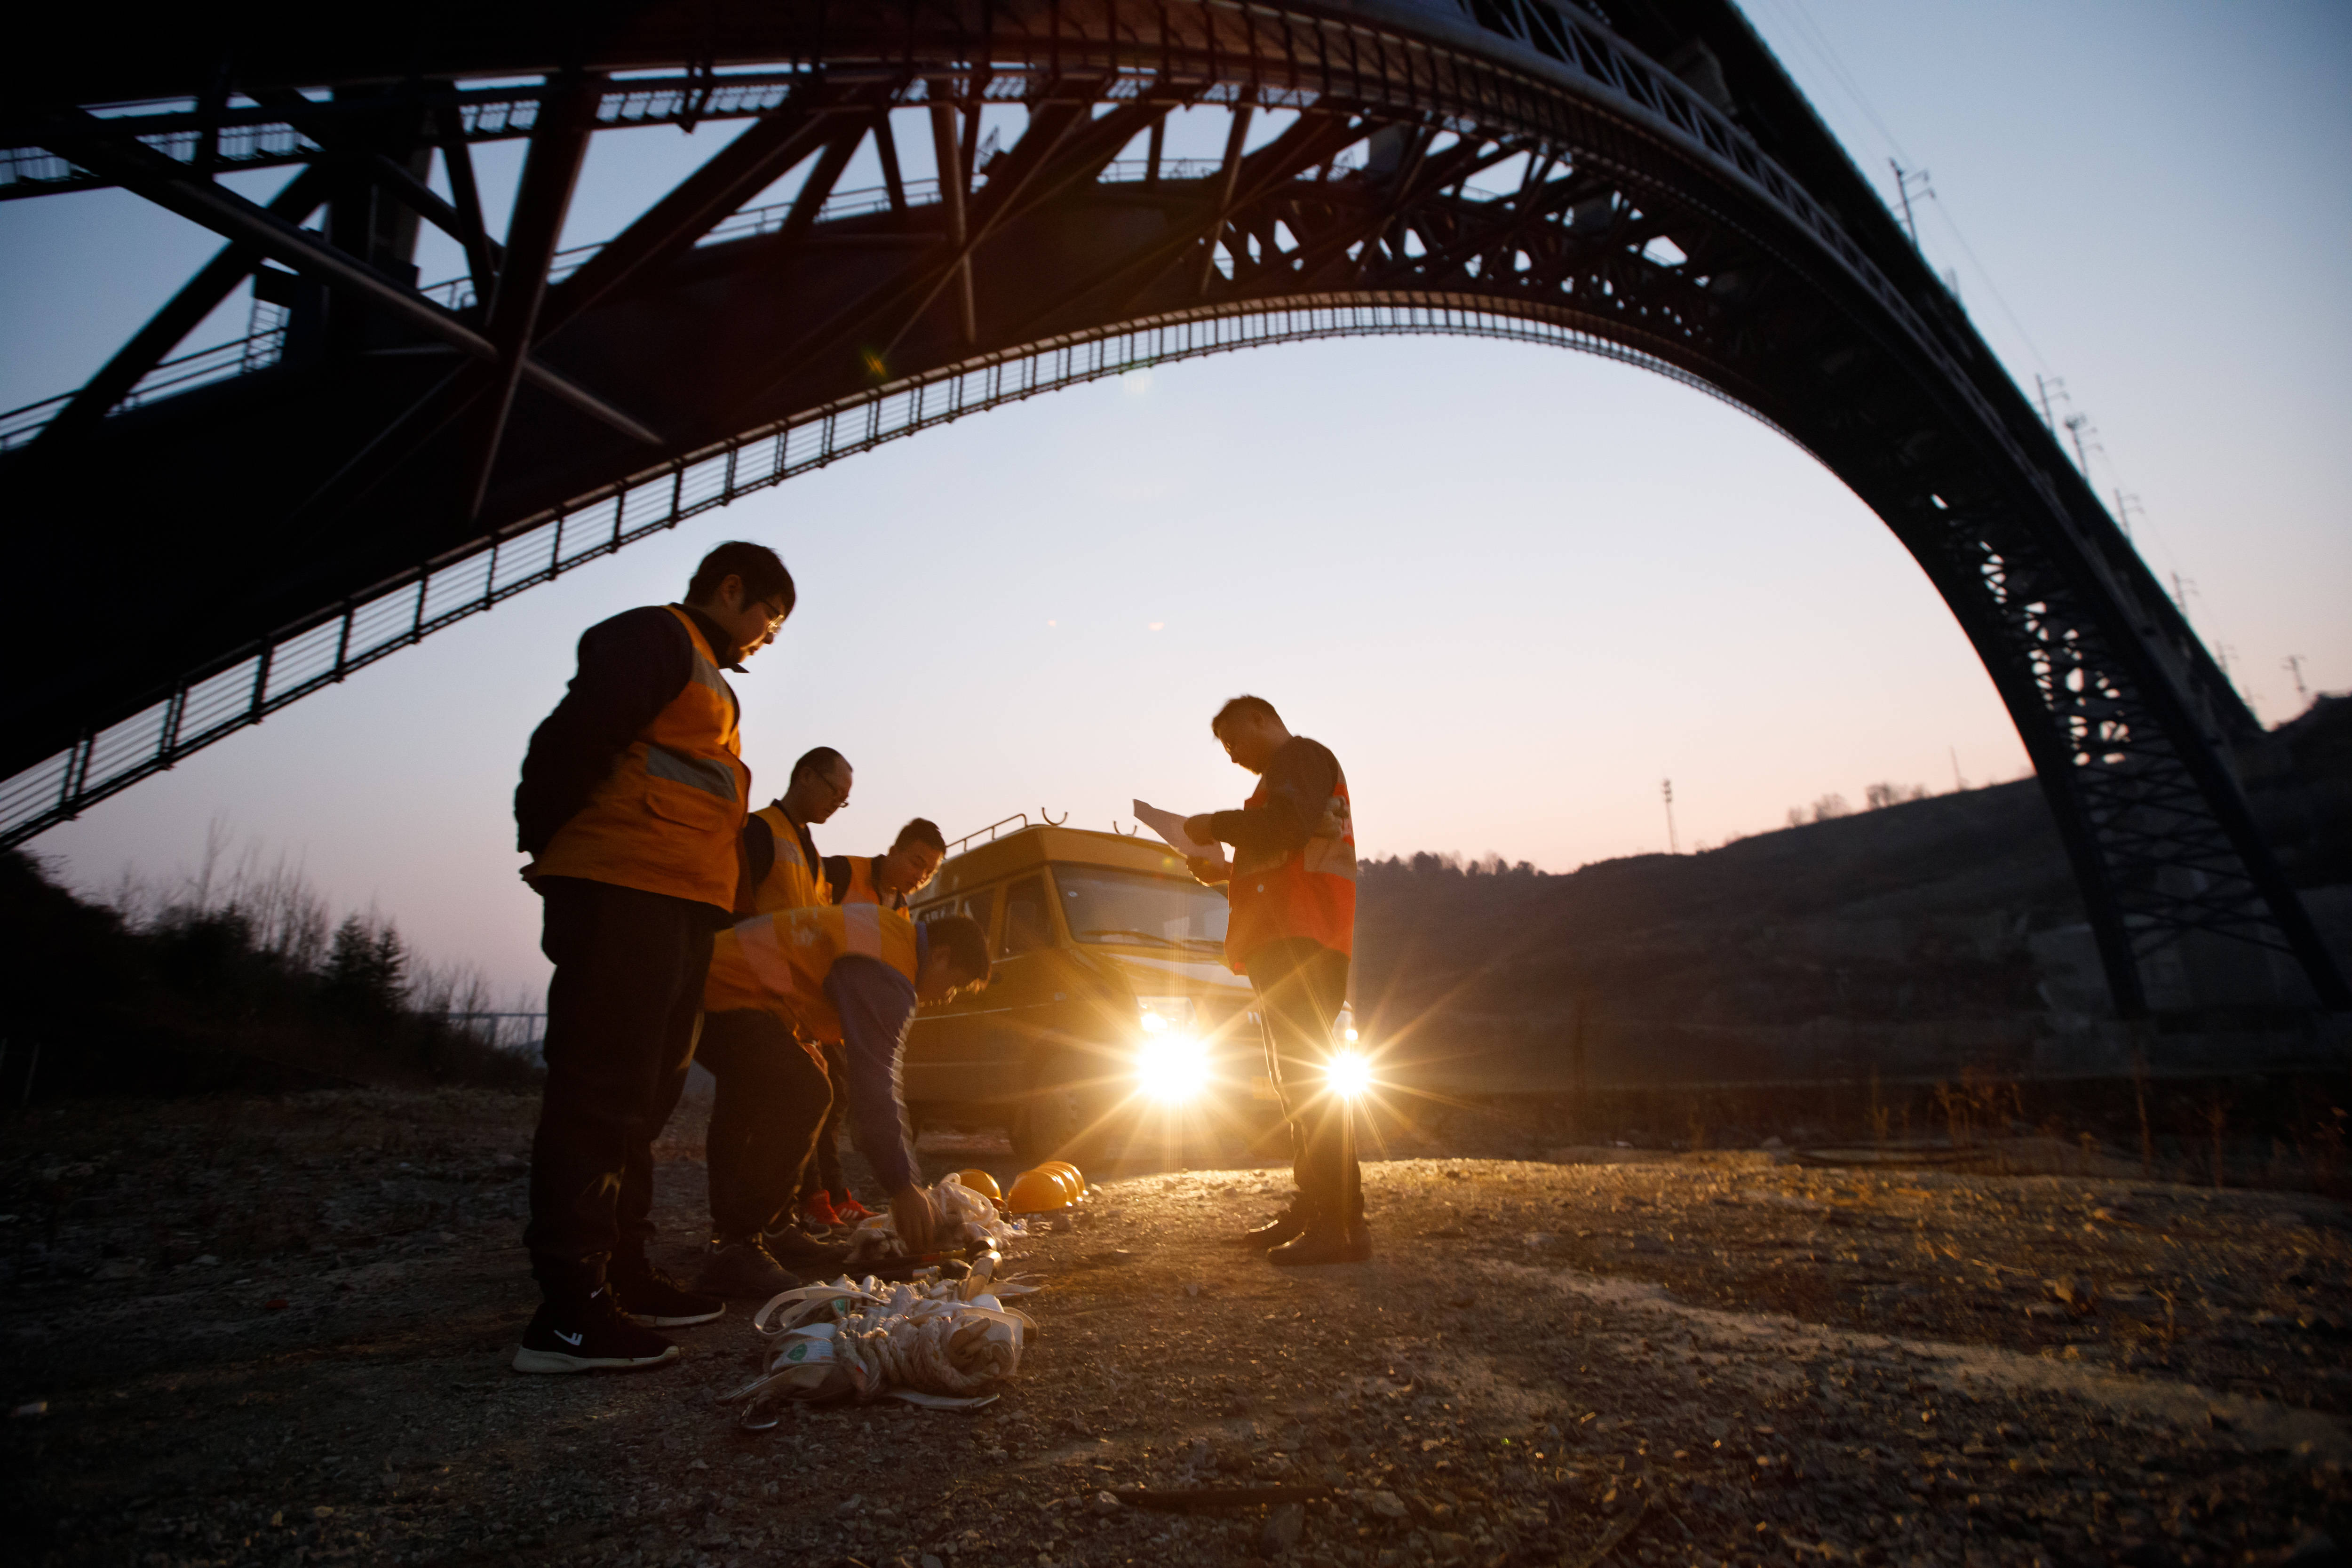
x=940, y=1343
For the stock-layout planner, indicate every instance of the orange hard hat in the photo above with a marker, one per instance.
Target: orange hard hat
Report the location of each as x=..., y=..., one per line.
x=981, y=1181
x=1034, y=1191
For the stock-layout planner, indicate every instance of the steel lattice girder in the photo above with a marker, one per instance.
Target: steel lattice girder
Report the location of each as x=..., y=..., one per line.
x=410, y=457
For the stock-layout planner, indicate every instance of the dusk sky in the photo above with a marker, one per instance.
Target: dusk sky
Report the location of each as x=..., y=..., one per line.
x=1513, y=588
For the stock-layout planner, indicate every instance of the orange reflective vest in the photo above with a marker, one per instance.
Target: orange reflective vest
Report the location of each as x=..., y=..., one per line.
x=792, y=882
x=1308, y=892
x=777, y=963
x=667, y=818
x=861, y=889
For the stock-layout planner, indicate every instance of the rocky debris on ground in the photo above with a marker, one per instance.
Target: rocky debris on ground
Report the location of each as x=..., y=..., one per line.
x=1717, y=1358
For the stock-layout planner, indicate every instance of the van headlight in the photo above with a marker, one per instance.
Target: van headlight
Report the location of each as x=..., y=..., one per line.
x=1173, y=1067
x=1171, y=1063
x=1351, y=1075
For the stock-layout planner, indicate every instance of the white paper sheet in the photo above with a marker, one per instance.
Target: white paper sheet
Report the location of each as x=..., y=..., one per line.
x=1169, y=826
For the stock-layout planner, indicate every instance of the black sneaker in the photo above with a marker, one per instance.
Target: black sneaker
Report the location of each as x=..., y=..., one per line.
x=789, y=1245
x=588, y=1334
x=738, y=1268
x=657, y=1300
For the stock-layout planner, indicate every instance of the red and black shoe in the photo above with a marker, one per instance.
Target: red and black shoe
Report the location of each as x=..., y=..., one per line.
x=851, y=1211
x=817, y=1214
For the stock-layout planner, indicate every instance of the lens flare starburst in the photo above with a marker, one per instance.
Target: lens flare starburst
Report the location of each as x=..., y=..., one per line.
x=1172, y=1066
x=1351, y=1075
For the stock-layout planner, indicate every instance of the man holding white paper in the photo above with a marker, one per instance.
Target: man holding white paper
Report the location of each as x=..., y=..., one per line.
x=1291, y=881
x=1171, y=826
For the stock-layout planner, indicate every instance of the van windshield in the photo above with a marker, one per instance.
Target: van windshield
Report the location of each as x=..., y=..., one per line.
x=1107, y=906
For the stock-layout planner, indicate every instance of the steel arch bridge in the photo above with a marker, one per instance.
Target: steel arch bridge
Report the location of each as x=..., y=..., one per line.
x=378, y=458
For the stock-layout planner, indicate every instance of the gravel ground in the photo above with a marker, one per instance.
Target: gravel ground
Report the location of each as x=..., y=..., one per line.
x=275, y=1330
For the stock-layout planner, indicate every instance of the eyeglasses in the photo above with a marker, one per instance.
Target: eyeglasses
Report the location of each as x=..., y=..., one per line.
x=775, y=617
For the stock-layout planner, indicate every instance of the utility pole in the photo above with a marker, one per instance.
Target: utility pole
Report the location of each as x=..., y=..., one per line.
x=2075, y=422
x=2043, y=387
x=1902, y=181
x=1674, y=846
x=1959, y=783
x=2124, y=506
x=2292, y=664
x=2180, y=592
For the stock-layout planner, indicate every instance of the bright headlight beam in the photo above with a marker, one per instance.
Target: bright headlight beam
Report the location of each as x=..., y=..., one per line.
x=1171, y=1068
x=1351, y=1075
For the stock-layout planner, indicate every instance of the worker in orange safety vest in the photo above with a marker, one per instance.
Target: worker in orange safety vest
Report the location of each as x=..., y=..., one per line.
x=852, y=974
x=888, y=879
x=1292, y=930
x=755, y=1060
x=631, y=803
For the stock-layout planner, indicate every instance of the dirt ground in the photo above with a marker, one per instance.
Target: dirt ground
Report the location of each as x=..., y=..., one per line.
x=277, y=1331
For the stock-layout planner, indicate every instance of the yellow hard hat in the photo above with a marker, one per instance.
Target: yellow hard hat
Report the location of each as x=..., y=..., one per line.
x=1034, y=1191
x=981, y=1181
x=1077, y=1181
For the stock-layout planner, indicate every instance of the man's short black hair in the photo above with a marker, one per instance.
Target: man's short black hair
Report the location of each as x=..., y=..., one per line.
x=820, y=758
x=764, y=575
x=1242, y=708
x=966, y=946
x=923, y=830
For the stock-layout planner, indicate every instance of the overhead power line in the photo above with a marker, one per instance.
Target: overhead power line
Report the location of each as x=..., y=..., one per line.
x=1910, y=183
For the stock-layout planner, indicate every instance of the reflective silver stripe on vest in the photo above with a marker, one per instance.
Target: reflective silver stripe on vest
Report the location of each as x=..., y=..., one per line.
x=706, y=674
x=707, y=775
x=1331, y=852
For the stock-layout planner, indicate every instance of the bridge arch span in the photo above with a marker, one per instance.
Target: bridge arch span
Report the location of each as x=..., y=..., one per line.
x=1658, y=192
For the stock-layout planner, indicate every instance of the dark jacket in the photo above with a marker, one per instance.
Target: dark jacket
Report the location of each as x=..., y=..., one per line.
x=1300, y=780
x=630, y=668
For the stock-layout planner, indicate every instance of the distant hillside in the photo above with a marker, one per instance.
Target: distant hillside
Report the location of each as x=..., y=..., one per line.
x=1914, y=937
x=242, y=983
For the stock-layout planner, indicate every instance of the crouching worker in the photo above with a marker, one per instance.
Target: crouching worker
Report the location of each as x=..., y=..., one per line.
x=851, y=974
x=888, y=880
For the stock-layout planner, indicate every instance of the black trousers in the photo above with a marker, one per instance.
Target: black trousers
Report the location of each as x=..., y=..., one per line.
x=622, y=1013
x=822, y=1172
x=1301, y=986
x=771, y=1100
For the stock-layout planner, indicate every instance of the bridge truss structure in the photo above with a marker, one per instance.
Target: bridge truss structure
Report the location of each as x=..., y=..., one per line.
x=379, y=458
